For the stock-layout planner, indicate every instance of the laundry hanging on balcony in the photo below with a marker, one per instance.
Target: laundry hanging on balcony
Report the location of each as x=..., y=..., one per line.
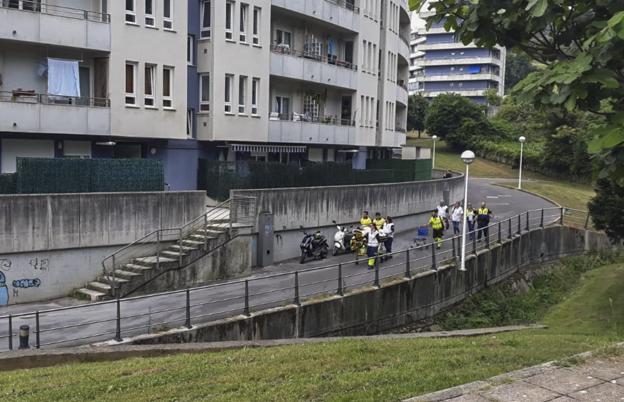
x=63, y=78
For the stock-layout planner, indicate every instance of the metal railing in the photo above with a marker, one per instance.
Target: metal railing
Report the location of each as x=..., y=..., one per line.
x=27, y=96
x=116, y=319
x=312, y=55
x=226, y=217
x=36, y=6
x=348, y=4
x=307, y=118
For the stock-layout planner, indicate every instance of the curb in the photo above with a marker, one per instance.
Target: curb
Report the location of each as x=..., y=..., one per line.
x=32, y=358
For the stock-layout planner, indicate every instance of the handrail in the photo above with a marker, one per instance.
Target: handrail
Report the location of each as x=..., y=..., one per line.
x=311, y=55
x=51, y=9
x=28, y=96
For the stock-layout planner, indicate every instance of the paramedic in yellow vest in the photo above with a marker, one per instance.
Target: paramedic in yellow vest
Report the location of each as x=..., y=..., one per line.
x=437, y=226
x=366, y=220
x=483, y=221
x=379, y=221
x=372, y=249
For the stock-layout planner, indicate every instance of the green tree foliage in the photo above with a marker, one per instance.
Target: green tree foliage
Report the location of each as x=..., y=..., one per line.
x=565, y=152
x=446, y=115
x=416, y=113
x=579, y=42
x=492, y=97
x=606, y=208
x=518, y=68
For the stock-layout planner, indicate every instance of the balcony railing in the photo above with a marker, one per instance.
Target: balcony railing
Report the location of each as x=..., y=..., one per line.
x=321, y=58
x=50, y=9
x=26, y=96
x=348, y=4
x=307, y=118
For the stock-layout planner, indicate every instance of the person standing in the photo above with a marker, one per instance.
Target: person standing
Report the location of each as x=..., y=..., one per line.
x=443, y=213
x=379, y=221
x=388, y=230
x=365, y=220
x=456, y=218
x=372, y=245
x=471, y=219
x=437, y=227
x=483, y=221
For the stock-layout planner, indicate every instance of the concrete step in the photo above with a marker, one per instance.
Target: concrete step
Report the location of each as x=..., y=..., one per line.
x=173, y=255
x=201, y=237
x=90, y=294
x=99, y=286
x=211, y=232
x=184, y=248
x=153, y=259
x=138, y=269
x=126, y=274
x=195, y=244
x=111, y=281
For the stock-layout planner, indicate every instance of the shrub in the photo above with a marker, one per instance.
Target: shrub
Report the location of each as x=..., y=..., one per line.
x=446, y=115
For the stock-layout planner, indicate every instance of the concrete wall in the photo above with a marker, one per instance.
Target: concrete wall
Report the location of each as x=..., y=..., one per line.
x=399, y=303
x=317, y=207
x=65, y=221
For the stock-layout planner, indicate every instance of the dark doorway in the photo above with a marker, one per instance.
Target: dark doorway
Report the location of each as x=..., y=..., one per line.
x=345, y=115
x=349, y=52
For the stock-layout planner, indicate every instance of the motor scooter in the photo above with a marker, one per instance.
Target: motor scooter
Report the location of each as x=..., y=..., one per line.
x=342, y=240
x=313, y=245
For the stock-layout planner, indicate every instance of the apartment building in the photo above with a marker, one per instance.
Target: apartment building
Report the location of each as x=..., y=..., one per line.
x=439, y=64
x=91, y=78
x=287, y=80
x=180, y=80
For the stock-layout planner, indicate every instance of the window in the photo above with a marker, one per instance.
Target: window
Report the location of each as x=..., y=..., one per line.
x=168, y=14
x=204, y=93
x=205, y=19
x=150, y=84
x=229, y=81
x=149, y=13
x=229, y=20
x=283, y=37
x=131, y=11
x=190, y=50
x=168, y=87
x=242, y=93
x=242, y=37
x=256, y=25
x=282, y=106
x=255, y=93
x=190, y=119
x=131, y=83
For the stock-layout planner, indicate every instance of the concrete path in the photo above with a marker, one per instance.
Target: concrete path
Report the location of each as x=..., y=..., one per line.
x=599, y=379
x=269, y=287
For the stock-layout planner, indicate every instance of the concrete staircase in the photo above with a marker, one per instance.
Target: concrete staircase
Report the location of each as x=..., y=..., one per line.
x=128, y=277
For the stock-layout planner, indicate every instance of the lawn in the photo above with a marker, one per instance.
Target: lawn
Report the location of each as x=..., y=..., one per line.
x=591, y=317
x=446, y=158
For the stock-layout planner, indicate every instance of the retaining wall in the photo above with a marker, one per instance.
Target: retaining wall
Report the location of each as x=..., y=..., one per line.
x=316, y=207
x=398, y=303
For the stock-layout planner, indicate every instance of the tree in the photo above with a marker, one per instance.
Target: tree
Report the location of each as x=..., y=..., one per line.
x=447, y=113
x=580, y=43
x=416, y=113
x=518, y=67
x=492, y=98
x=606, y=209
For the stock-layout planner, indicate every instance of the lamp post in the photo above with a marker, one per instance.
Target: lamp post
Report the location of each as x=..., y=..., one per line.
x=434, y=138
x=522, y=139
x=467, y=157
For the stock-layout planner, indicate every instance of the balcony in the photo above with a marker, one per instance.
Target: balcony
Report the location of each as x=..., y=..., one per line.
x=462, y=77
x=342, y=13
x=312, y=67
x=300, y=129
x=30, y=21
x=471, y=92
x=402, y=94
x=26, y=111
x=455, y=60
x=445, y=46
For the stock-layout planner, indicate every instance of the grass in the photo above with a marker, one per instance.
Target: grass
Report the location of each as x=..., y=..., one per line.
x=447, y=159
x=570, y=195
x=356, y=370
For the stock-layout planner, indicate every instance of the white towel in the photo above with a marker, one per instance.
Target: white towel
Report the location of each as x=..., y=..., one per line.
x=63, y=78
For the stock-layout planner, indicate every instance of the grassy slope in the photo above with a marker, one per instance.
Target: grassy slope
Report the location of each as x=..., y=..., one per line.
x=567, y=194
x=346, y=370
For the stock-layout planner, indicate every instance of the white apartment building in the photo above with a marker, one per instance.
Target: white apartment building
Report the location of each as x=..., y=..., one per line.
x=320, y=80
x=91, y=78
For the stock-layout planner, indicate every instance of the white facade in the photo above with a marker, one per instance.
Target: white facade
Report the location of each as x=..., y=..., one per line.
x=321, y=74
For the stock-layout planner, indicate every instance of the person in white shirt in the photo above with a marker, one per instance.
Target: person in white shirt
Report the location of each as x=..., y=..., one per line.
x=443, y=213
x=372, y=248
x=388, y=231
x=456, y=217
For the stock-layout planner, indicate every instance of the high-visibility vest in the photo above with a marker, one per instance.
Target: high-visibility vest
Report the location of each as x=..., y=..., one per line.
x=366, y=221
x=484, y=211
x=379, y=223
x=436, y=223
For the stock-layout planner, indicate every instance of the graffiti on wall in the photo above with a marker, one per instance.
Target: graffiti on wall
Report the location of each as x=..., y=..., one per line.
x=10, y=289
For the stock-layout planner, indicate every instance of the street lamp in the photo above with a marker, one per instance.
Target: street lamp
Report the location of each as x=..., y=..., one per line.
x=522, y=139
x=434, y=138
x=467, y=157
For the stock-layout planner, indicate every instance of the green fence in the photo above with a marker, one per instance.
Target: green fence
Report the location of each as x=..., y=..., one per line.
x=218, y=177
x=42, y=176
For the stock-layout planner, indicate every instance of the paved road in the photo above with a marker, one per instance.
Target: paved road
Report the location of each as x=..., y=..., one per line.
x=269, y=287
